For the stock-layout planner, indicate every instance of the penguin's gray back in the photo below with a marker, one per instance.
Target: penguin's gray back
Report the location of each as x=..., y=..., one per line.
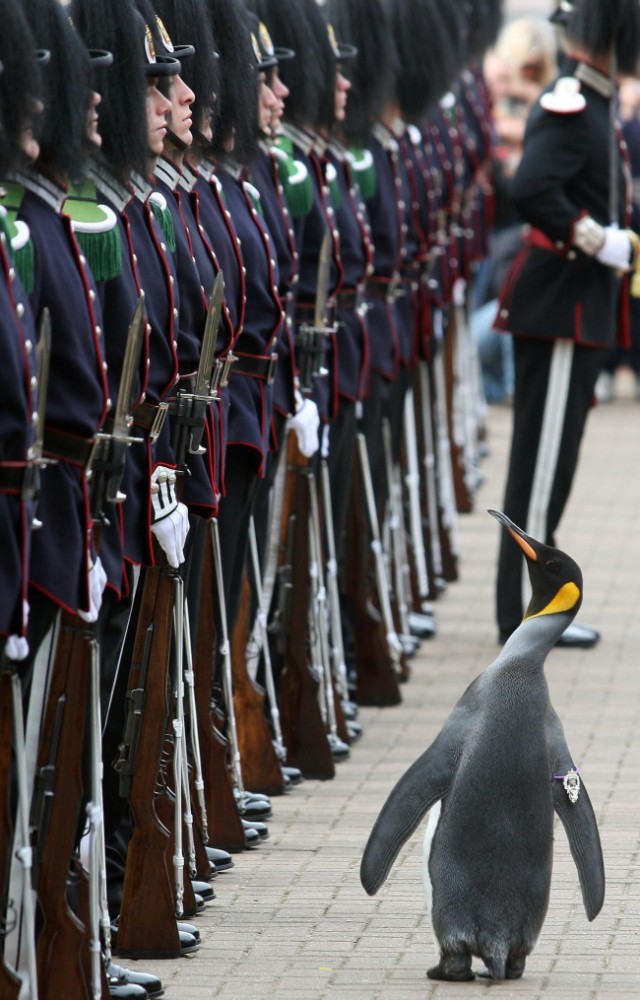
x=490, y=858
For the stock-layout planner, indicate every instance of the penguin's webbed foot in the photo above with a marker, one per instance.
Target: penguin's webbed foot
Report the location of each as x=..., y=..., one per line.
x=453, y=968
x=515, y=966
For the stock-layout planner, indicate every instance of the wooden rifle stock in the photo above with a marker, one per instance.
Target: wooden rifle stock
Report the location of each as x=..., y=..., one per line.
x=261, y=770
x=304, y=732
x=147, y=925
x=62, y=941
x=9, y=981
x=464, y=499
x=224, y=823
x=377, y=679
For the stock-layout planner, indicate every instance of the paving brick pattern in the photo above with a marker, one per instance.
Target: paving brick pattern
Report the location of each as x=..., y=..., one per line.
x=291, y=920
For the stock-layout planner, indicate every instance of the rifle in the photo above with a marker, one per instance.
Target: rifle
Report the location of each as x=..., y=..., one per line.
x=319, y=626
x=259, y=644
x=10, y=983
x=194, y=776
x=445, y=465
x=303, y=692
x=223, y=820
x=260, y=766
x=303, y=729
x=377, y=676
x=397, y=545
x=147, y=926
x=60, y=947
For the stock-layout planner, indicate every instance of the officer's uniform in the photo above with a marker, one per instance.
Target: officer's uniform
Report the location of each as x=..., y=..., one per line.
x=77, y=398
x=562, y=306
x=251, y=384
x=18, y=393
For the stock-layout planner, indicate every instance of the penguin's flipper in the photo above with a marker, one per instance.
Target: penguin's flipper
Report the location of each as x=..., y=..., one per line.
x=426, y=781
x=579, y=822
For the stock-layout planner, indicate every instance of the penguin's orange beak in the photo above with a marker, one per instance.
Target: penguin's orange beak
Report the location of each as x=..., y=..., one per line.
x=516, y=533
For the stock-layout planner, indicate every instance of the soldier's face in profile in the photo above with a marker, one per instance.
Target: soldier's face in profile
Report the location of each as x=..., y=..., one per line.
x=28, y=142
x=180, y=120
x=92, y=132
x=280, y=92
x=266, y=105
x=158, y=107
x=343, y=86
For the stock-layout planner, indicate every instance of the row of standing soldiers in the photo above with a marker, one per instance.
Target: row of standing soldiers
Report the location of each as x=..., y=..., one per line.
x=239, y=417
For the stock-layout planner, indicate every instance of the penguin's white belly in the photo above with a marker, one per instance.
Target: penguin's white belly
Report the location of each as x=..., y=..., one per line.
x=432, y=824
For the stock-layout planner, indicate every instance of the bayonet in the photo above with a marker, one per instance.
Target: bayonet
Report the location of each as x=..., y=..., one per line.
x=189, y=410
x=35, y=458
x=45, y=789
x=311, y=340
x=105, y=467
x=207, y=354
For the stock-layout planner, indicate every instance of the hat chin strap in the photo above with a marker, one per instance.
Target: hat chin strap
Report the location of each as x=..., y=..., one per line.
x=178, y=143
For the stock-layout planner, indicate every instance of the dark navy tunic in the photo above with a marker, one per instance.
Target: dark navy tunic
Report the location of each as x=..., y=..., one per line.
x=77, y=396
x=18, y=399
x=251, y=405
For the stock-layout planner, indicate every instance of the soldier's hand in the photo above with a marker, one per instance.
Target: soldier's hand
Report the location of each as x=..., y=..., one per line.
x=171, y=533
x=618, y=248
x=97, y=583
x=305, y=422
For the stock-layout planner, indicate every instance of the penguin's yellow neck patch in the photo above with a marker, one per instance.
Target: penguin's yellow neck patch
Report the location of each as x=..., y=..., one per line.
x=565, y=599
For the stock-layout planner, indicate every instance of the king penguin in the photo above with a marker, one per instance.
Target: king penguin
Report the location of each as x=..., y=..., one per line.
x=492, y=779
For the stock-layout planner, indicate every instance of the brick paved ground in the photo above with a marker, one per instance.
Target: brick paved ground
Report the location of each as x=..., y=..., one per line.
x=291, y=920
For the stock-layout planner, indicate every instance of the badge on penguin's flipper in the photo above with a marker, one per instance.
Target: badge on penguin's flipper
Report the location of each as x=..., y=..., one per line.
x=570, y=783
x=565, y=98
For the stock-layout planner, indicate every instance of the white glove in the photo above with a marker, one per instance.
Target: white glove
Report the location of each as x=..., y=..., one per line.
x=305, y=422
x=171, y=533
x=324, y=452
x=16, y=648
x=170, y=524
x=97, y=583
x=617, y=249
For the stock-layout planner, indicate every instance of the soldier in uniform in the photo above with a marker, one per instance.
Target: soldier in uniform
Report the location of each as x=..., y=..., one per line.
x=562, y=297
x=19, y=90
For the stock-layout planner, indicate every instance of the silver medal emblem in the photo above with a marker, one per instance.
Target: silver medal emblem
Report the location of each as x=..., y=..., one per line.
x=571, y=784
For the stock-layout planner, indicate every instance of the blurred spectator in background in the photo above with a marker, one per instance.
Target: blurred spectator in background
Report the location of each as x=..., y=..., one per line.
x=521, y=64
x=629, y=111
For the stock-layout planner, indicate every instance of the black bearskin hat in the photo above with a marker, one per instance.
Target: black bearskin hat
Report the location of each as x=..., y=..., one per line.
x=484, y=20
x=188, y=21
x=310, y=77
x=20, y=81
x=236, y=109
x=118, y=27
x=431, y=39
x=603, y=26
x=67, y=85
x=373, y=72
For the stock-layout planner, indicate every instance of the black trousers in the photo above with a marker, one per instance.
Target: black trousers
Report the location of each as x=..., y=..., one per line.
x=554, y=383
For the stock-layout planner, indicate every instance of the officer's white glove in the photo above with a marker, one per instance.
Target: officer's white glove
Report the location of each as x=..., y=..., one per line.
x=97, y=583
x=617, y=249
x=305, y=422
x=170, y=525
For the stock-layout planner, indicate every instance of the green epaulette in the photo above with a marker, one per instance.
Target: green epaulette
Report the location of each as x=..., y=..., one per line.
x=18, y=235
x=96, y=230
x=158, y=204
x=364, y=171
x=294, y=178
x=331, y=176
